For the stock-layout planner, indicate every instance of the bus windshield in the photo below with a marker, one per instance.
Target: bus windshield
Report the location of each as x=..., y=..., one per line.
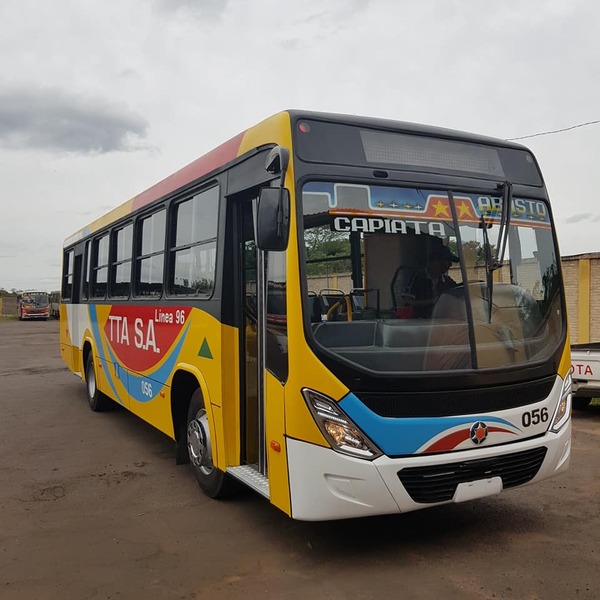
x=408, y=280
x=36, y=299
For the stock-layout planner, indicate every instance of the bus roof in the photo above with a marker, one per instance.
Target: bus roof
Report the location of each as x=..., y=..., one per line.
x=270, y=130
x=405, y=127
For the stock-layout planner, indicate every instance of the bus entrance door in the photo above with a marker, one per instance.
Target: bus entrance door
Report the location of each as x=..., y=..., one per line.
x=253, y=467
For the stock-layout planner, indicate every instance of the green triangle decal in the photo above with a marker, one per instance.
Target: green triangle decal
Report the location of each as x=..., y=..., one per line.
x=205, y=350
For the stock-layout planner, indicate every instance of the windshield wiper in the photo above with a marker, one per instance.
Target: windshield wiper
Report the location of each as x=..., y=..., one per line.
x=492, y=263
x=504, y=223
x=489, y=266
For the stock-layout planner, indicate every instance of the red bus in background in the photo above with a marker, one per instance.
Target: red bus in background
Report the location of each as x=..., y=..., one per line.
x=33, y=305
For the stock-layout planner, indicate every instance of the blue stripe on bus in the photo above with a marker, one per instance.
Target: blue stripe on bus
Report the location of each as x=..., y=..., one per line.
x=159, y=376
x=396, y=436
x=100, y=348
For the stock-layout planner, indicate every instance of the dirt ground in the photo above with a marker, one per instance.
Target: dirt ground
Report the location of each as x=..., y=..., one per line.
x=93, y=506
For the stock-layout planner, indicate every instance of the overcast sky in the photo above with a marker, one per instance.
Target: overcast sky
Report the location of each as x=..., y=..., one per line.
x=100, y=99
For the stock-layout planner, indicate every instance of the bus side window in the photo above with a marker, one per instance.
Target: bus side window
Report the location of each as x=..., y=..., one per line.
x=67, y=287
x=120, y=270
x=85, y=286
x=99, y=267
x=150, y=255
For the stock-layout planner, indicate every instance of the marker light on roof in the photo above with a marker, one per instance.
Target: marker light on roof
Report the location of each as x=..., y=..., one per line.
x=304, y=127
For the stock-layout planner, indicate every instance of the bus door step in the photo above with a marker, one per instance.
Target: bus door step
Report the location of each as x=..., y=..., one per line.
x=251, y=477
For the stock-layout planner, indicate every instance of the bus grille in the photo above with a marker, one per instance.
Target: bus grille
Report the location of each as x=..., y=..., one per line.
x=456, y=402
x=438, y=483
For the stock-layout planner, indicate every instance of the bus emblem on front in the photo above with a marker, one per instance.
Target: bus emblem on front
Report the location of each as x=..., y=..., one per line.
x=478, y=432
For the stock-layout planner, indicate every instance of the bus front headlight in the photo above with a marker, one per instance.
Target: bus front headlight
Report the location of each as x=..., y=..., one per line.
x=339, y=430
x=563, y=410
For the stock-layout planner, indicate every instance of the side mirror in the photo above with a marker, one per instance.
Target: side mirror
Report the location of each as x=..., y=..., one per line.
x=273, y=220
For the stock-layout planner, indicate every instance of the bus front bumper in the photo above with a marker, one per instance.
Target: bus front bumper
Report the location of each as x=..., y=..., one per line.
x=35, y=315
x=326, y=485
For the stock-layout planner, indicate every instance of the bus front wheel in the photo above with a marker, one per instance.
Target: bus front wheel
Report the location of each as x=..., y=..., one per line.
x=213, y=482
x=97, y=400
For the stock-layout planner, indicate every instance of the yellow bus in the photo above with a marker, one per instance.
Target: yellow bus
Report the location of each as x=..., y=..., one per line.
x=352, y=316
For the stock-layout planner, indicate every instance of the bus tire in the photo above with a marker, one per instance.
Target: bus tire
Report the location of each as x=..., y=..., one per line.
x=97, y=400
x=213, y=482
x=581, y=402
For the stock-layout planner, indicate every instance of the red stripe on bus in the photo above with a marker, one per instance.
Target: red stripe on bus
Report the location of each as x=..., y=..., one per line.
x=205, y=164
x=450, y=441
x=458, y=437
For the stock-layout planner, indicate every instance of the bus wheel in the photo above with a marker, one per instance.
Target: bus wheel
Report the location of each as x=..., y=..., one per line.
x=581, y=402
x=98, y=401
x=213, y=482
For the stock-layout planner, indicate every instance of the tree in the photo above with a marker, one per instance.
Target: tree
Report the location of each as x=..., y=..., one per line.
x=327, y=251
